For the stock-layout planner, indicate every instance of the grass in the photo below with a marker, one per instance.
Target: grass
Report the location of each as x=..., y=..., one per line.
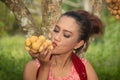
x=12, y=57
x=103, y=55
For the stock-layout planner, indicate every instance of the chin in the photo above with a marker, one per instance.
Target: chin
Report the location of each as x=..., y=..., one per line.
x=58, y=52
x=54, y=52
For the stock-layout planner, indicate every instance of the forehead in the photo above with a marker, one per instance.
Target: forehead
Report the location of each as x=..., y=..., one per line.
x=68, y=23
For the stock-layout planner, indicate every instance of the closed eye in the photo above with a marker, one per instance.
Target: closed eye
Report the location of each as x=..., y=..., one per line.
x=66, y=35
x=56, y=29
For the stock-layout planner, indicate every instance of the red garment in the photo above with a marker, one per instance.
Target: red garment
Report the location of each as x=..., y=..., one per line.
x=79, y=67
x=37, y=72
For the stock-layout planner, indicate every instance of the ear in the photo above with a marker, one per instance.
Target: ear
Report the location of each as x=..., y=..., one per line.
x=79, y=44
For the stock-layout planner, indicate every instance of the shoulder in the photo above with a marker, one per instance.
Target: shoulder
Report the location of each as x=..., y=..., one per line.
x=30, y=70
x=91, y=74
x=31, y=64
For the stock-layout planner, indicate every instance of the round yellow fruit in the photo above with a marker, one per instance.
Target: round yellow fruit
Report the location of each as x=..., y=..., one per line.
x=33, y=39
x=27, y=42
x=41, y=38
x=51, y=47
x=48, y=42
x=35, y=45
x=34, y=51
x=27, y=48
x=38, y=44
x=117, y=17
x=41, y=49
x=108, y=1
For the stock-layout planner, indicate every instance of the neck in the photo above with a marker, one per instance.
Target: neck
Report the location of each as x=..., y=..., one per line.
x=61, y=60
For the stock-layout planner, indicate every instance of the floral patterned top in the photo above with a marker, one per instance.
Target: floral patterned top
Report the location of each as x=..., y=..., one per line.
x=73, y=75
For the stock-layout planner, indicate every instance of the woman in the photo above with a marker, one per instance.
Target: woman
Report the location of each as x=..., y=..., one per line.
x=70, y=36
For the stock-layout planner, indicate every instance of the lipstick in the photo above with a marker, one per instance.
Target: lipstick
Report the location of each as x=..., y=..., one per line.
x=54, y=44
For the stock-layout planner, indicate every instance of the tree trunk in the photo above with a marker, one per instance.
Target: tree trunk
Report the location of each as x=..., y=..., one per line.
x=87, y=5
x=97, y=7
x=51, y=10
x=23, y=16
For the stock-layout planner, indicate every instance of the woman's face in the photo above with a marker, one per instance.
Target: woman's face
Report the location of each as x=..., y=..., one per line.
x=65, y=35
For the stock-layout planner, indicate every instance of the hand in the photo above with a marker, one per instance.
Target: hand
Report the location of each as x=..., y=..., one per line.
x=38, y=46
x=44, y=56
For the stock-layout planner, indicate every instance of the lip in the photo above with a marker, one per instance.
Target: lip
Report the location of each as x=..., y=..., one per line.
x=54, y=44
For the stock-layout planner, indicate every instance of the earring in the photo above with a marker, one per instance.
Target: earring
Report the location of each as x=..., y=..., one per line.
x=74, y=51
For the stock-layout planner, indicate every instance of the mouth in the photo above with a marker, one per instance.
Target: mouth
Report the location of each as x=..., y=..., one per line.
x=54, y=44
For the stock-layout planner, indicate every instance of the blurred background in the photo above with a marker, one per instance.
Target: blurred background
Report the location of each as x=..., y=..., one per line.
x=103, y=53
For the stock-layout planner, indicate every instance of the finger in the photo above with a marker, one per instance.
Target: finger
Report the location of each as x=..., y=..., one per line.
x=44, y=53
x=33, y=55
x=45, y=50
x=48, y=55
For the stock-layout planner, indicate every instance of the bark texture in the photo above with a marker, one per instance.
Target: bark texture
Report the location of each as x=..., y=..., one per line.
x=51, y=11
x=97, y=7
x=23, y=16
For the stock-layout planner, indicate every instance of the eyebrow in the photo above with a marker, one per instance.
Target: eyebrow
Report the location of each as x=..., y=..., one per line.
x=64, y=30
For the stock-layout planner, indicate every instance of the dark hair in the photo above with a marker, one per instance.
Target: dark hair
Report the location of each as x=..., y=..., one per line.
x=90, y=24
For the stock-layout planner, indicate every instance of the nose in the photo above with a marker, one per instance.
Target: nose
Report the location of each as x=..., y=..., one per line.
x=57, y=37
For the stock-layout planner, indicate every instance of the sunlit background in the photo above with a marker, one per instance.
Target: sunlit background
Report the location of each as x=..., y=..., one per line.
x=103, y=53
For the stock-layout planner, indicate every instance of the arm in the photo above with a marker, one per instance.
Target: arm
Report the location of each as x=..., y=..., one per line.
x=30, y=71
x=43, y=72
x=44, y=65
x=91, y=74
x=31, y=67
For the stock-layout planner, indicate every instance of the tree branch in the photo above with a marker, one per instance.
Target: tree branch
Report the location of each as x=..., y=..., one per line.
x=23, y=16
x=51, y=11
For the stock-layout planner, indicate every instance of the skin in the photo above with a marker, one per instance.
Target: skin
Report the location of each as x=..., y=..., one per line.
x=65, y=35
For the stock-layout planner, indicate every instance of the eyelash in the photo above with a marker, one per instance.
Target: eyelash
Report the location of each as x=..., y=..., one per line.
x=57, y=31
x=67, y=36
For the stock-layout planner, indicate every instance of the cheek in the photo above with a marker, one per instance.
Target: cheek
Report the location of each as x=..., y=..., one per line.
x=52, y=35
x=66, y=46
x=69, y=44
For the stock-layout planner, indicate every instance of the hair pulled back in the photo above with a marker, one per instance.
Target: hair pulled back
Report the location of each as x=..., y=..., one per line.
x=89, y=24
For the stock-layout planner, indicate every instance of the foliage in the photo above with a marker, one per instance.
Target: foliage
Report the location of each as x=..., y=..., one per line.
x=104, y=53
x=8, y=24
x=12, y=57
x=72, y=4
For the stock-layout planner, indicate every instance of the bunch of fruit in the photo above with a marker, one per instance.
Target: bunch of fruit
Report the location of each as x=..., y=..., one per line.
x=37, y=44
x=114, y=7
